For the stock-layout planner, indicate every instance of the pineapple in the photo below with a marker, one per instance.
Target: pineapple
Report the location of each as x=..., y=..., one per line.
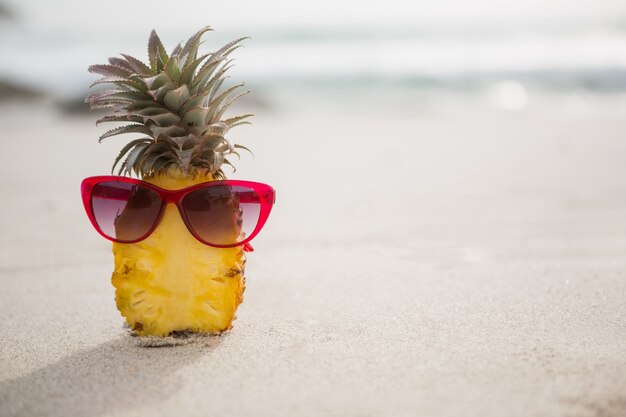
x=170, y=282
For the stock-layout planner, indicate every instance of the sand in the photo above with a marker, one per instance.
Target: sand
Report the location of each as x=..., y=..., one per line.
x=436, y=263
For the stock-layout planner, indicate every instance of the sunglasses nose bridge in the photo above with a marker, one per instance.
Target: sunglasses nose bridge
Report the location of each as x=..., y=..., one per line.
x=171, y=197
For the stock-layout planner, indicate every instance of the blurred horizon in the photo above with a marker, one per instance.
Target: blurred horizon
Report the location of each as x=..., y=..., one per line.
x=504, y=50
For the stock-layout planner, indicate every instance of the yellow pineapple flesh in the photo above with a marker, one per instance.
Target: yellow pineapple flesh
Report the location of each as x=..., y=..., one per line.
x=172, y=282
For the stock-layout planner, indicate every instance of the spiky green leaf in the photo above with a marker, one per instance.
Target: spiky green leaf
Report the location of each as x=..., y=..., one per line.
x=224, y=50
x=215, y=79
x=227, y=162
x=186, y=75
x=162, y=164
x=127, y=148
x=232, y=120
x=165, y=119
x=158, y=81
x=139, y=66
x=173, y=70
x=168, y=130
x=216, y=89
x=119, y=62
x=238, y=146
x=133, y=157
x=105, y=103
x=214, y=104
x=154, y=152
x=219, y=113
x=122, y=167
x=125, y=83
x=98, y=95
x=110, y=70
x=193, y=101
x=174, y=99
x=176, y=50
x=135, y=128
x=215, y=129
x=196, y=116
x=189, y=52
x=158, y=116
x=156, y=53
x=121, y=118
x=239, y=124
x=129, y=96
x=205, y=73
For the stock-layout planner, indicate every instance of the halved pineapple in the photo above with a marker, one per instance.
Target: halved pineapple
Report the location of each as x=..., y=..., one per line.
x=170, y=281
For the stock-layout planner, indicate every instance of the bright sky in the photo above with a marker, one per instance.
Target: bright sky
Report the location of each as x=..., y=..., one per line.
x=109, y=15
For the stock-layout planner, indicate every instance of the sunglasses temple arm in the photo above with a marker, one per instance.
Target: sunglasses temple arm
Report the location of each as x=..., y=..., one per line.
x=248, y=247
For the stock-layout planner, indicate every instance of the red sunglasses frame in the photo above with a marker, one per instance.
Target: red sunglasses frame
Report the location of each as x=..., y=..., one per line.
x=266, y=194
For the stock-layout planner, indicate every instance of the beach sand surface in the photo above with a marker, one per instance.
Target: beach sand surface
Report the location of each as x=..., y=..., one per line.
x=435, y=263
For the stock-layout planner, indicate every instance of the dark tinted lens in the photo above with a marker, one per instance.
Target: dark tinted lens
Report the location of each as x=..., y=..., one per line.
x=222, y=214
x=124, y=211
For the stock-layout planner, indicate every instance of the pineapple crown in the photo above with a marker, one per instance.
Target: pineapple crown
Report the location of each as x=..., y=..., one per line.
x=176, y=102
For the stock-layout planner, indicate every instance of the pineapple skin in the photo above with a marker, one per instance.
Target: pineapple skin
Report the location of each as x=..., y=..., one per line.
x=172, y=282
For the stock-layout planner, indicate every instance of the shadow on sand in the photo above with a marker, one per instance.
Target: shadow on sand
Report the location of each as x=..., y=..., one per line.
x=120, y=375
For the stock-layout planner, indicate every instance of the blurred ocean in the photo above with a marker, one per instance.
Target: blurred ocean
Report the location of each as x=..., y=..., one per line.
x=500, y=56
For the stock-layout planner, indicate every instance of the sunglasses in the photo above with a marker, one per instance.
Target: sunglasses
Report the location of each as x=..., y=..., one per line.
x=221, y=214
